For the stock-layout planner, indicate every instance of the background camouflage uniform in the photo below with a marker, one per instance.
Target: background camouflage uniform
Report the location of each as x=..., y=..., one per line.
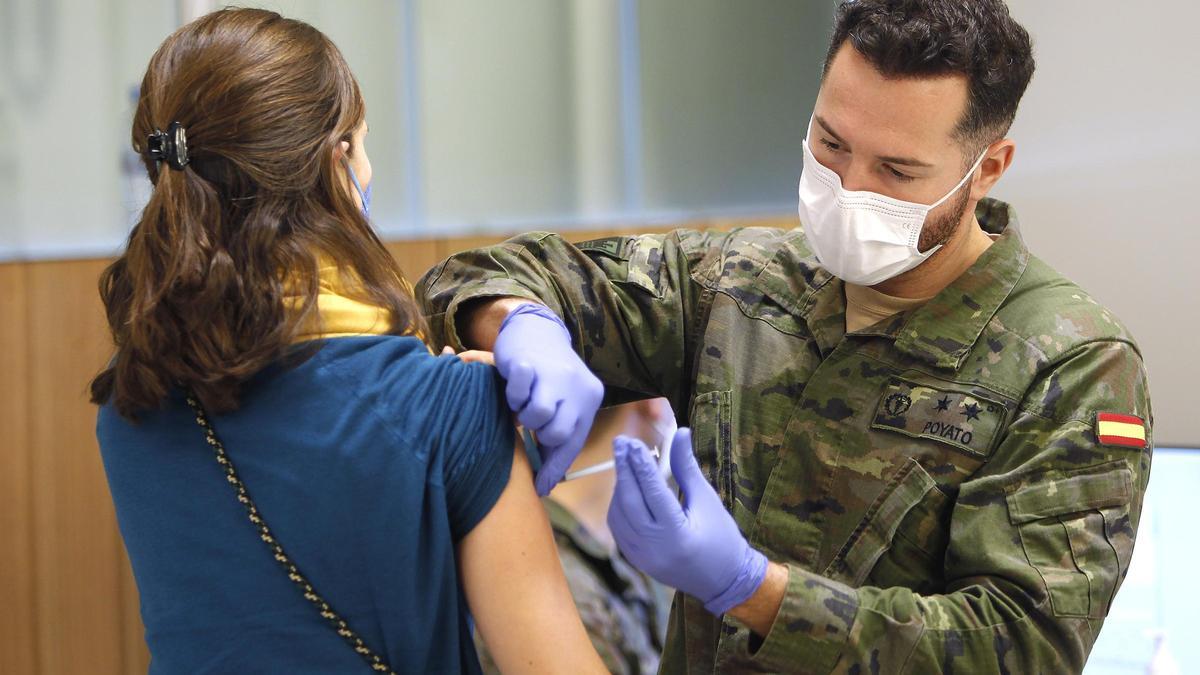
x=624, y=611
x=934, y=483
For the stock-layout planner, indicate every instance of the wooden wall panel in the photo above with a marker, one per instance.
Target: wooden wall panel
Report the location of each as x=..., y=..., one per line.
x=77, y=549
x=18, y=646
x=415, y=256
x=448, y=247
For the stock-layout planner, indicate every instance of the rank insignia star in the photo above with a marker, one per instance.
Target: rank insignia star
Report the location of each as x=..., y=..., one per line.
x=972, y=412
x=944, y=404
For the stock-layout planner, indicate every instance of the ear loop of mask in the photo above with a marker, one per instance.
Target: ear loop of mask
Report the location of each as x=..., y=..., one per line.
x=364, y=196
x=965, y=179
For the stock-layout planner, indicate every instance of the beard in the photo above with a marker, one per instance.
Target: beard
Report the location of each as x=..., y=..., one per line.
x=939, y=229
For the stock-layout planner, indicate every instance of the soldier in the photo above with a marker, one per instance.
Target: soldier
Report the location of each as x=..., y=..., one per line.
x=917, y=448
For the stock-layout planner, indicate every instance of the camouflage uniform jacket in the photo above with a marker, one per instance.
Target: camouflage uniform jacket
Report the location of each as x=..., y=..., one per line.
x=623, y=610
x=935, y=483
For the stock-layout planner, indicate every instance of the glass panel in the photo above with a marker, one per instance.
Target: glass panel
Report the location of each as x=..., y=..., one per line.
x=727, y=91
x=66, y=76
x=495, y=109
x=514, y=115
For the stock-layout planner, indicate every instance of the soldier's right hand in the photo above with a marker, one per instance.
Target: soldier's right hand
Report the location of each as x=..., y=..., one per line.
x=549, y=387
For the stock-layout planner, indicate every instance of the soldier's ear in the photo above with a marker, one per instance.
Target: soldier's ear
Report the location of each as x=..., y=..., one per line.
x=999, y=157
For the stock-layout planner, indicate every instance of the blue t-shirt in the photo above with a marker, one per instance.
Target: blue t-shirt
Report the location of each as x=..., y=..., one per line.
x=369, y=461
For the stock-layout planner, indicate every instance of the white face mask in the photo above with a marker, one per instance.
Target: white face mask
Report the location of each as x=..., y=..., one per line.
x=862, y=237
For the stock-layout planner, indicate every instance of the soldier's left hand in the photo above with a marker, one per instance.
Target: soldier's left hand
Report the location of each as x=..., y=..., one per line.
x=695, y=546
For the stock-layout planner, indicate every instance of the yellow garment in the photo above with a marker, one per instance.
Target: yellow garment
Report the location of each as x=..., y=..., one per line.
x=866, y=306
x=339, y=315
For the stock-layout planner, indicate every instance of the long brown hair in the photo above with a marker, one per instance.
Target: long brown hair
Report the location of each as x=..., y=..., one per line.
x=196, y=302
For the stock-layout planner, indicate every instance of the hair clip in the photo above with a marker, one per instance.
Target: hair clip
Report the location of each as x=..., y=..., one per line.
x=170, y=146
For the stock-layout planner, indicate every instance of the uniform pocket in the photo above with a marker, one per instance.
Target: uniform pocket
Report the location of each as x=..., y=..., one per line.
x=916, y=557
x=1066, y=522
x=638, y=260
x=712, y=441
x=876, y=532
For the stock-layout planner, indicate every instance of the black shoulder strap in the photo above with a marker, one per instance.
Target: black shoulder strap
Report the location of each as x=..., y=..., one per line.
x=335, y=620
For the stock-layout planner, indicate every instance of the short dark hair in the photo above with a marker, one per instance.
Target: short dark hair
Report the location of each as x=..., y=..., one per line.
x=920, y=38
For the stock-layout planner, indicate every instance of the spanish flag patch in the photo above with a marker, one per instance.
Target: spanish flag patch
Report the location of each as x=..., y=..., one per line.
x=1124, y=430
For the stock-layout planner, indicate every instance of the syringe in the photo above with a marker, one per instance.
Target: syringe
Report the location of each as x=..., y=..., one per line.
x=597, y=468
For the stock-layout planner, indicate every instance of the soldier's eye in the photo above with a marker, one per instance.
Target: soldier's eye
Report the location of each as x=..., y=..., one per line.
x=903, y=178
x=833, y=147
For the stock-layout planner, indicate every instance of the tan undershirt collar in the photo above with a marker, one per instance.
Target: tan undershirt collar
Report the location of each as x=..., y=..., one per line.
x=866, y=306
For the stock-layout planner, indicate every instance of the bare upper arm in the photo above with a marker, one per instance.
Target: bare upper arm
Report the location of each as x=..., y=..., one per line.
x=515, y=586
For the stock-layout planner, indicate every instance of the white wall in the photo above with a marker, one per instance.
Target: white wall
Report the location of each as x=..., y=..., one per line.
x=496, y=97
x=1107, y=166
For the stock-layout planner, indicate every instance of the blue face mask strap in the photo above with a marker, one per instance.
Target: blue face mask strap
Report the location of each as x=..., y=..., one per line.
x=364, y=196
x=531, y=449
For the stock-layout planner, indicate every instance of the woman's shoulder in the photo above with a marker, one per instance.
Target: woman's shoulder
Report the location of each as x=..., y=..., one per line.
x=389, y=360
x=407, y=381
x=364, y=350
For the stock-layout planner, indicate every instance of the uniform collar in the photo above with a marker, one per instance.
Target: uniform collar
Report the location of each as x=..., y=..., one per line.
x=800, y=285
x=943, y=331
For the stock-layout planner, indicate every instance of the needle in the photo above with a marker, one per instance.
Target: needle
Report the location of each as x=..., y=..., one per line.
x=597, y=468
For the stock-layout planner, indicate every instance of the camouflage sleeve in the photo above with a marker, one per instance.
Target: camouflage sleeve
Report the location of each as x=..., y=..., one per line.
x=1040, y=540
x=597, y=609
x=630, y=303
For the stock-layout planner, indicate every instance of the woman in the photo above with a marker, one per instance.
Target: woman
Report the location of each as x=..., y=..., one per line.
x=300, y=485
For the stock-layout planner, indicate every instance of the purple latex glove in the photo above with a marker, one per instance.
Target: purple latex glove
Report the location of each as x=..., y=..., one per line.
x=696, y=546
x=549, y=387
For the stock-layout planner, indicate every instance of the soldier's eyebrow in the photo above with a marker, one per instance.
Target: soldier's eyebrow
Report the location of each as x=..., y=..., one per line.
x=829, y=130
x=906, y=161
x=902, y=161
